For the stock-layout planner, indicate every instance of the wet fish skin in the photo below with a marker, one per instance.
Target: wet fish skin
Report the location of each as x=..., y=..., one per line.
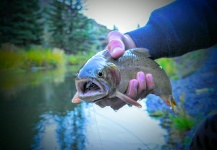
x=116, y=74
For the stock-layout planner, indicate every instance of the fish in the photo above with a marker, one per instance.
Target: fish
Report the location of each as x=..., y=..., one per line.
x=105, y=78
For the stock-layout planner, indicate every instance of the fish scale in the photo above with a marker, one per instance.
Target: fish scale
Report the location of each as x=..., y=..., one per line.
x=144, y=64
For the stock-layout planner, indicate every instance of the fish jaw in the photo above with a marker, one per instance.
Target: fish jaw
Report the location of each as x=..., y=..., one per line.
x=91, y=90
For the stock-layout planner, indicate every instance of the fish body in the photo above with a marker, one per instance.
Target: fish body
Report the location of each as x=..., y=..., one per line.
x=103, y=77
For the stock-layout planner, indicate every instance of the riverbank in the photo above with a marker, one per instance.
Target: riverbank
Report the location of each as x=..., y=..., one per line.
x=38, y=58
x=200, y=93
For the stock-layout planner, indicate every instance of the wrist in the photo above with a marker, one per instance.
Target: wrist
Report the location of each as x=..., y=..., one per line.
x=129, y=43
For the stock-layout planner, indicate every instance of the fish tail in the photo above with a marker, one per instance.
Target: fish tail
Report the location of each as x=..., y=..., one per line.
x=173, y=104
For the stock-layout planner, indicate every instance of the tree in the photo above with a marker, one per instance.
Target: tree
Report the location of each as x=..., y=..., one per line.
x=21, y=23
x=56, y=24
x=115, y=27
x=138, y=25
x=69, y=29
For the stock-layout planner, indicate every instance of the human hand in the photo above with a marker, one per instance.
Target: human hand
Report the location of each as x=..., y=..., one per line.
x=137, y=88
x=118, y=43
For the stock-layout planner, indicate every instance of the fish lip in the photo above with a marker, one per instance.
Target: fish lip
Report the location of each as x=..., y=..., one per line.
x=86, y=95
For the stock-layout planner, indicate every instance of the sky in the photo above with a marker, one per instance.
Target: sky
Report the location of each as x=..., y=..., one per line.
x=124, y=14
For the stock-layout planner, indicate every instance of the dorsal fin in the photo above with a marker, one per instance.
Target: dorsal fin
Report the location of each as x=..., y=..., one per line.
x=141, y=51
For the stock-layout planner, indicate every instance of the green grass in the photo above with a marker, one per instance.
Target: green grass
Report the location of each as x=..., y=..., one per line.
x=14, y=58
x=43, y=57
x=10, y=60
x=182, y=122
x=33, y=57
x=169, y=66
x=79, y=58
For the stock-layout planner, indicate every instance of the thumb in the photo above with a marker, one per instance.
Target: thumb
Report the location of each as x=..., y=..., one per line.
x=116, y=48
x=116, y=45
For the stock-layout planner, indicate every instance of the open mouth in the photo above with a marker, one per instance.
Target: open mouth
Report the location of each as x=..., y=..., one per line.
x=90, y=90
x=90, y=86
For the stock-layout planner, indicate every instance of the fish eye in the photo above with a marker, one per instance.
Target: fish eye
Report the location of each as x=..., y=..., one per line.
x=100, y=74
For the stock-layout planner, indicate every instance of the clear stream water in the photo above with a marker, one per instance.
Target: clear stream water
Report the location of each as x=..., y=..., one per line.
x=36, y=113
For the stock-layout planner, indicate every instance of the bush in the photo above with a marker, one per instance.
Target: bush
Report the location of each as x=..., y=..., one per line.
x=43, y=57
x=79, y=58
x=33, y=57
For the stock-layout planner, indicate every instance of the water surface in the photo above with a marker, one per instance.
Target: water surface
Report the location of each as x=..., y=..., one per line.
x=36, y=113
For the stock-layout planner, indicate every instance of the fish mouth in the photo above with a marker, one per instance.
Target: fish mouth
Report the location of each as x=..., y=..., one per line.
x=91, y=90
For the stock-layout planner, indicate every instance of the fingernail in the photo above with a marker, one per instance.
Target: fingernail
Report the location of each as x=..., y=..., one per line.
x=150, y=78
x=135, y=84
x=141, y=76
x=132, y=87
x=117, y=50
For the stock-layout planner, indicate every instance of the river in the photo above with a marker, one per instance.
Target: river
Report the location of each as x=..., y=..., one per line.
x=36, y=113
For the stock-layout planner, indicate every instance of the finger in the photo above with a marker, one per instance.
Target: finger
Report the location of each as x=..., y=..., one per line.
x=114, y=35
x=142, y=82
x=116, y=45
x=149, y=82
x=116, y=48
x=132, y=88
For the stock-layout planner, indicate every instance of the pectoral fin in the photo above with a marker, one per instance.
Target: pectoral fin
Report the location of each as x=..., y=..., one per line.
x=76, y=99
x=127, y=99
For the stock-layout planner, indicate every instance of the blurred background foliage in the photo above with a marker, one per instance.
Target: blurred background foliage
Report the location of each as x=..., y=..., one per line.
x=44, y=34
x=47, y=34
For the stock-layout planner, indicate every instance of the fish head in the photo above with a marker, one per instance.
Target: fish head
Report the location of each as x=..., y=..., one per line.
x=97, y=79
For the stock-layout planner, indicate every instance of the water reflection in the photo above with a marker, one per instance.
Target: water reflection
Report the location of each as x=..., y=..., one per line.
x=36, y=113
x=129, y=128
x=61, y=132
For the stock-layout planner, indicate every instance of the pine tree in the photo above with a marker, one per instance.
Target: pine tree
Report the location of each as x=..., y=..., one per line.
x=138, y=26
x=56, y=25
x=68, y=28
x=20, y=22
x=78, y=35
x=115, y=27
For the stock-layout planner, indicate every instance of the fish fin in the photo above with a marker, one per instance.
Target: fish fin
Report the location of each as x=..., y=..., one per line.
x=127, y=99
x=143, y=51
x=170, y=101
x=76, y=99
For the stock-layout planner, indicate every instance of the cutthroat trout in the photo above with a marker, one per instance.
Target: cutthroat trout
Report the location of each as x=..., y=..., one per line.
x=103, y=77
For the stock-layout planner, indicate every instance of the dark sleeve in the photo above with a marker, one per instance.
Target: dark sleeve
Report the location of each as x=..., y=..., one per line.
x=178, y=28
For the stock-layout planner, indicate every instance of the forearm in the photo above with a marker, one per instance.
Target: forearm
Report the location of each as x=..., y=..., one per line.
x=178, y=28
